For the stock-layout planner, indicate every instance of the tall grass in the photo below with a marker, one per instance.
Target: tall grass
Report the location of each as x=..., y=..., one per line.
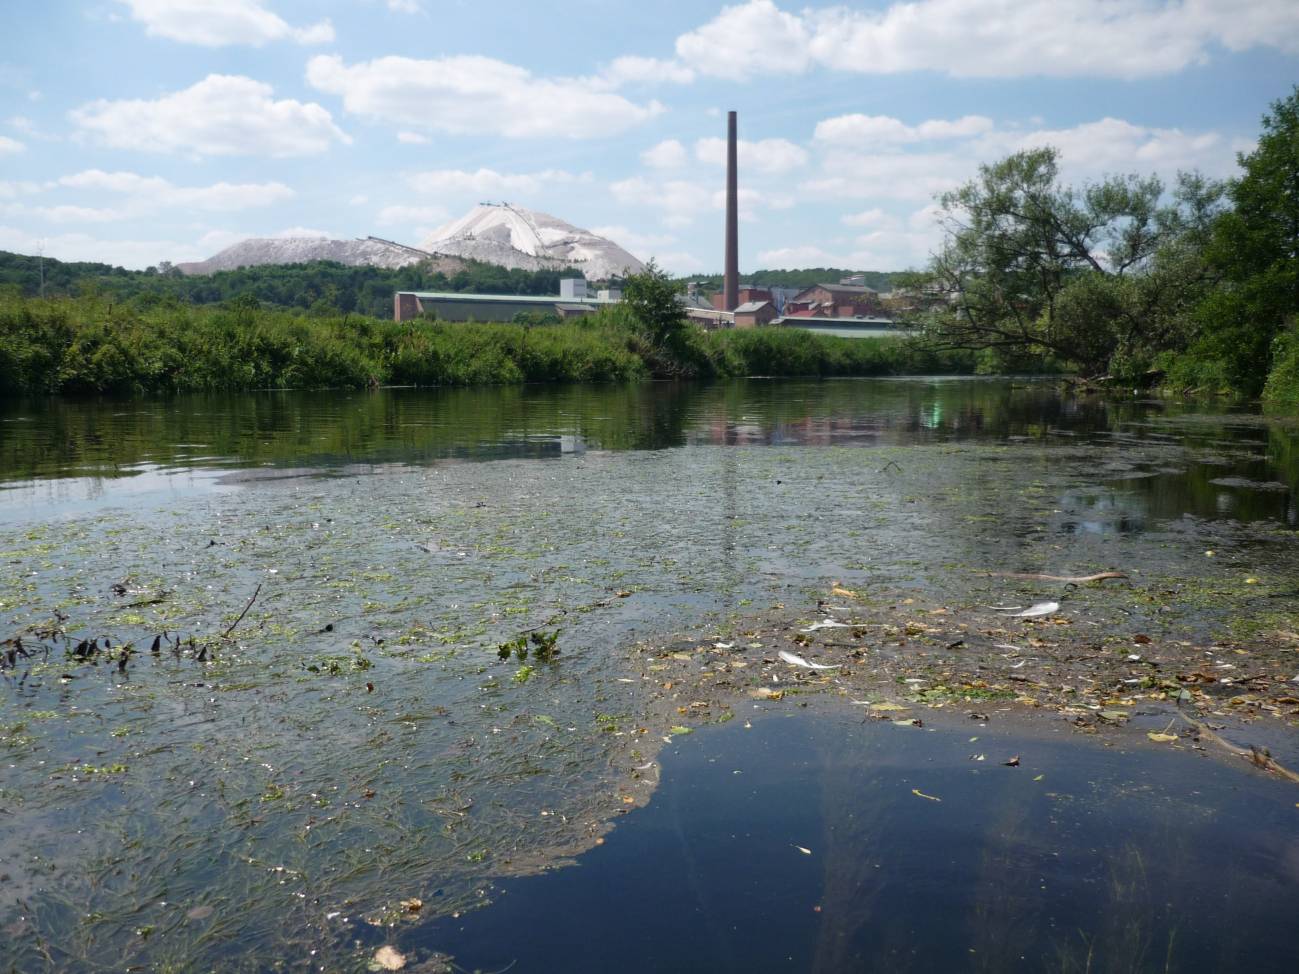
x=91, y=345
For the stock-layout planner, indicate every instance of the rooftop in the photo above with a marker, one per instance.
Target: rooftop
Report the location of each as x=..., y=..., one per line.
x=499, y=298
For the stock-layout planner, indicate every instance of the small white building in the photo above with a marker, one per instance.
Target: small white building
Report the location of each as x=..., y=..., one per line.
x=572, y=289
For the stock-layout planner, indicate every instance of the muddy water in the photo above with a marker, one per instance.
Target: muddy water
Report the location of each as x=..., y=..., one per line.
x=356, y=741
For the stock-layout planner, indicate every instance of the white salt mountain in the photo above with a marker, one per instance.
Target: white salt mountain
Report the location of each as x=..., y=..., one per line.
x=514, y=237
x=369, y=252
x=509, y=236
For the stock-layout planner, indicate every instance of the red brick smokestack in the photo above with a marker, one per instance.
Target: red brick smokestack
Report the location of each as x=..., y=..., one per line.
x=731, y=282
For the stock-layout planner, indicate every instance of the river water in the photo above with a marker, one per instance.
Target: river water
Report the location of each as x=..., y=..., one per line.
x=326, y=731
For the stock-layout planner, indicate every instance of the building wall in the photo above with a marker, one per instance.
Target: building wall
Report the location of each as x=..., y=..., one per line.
x=404, y=307
x=752, y=319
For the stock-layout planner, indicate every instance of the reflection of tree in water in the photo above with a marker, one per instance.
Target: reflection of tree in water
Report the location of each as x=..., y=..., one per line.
x=853, y=934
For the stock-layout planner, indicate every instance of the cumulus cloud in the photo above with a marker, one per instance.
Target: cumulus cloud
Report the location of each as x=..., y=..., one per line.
x=882, y=129
x=643, y=245
x=764, y=156
x=891, y=242
x=136, y=196
x=470, y=94
x=154, y=192
x=412, y=215
x=220, y=115
x=668, y=154
x=646, y=70
x=852, y=166
x=217, y=23
x=679, y=200
x=989, y=38
x=10, y=146
x=487, y=182
x=748, y=39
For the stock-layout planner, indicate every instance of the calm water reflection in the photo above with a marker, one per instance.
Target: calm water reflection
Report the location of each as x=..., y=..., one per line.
x=801, y=845
x=1153, y=459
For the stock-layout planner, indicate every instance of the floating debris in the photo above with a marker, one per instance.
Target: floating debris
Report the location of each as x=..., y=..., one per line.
x=793, y=659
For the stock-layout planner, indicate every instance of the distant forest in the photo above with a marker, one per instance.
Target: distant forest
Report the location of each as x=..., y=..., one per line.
x=321, y=287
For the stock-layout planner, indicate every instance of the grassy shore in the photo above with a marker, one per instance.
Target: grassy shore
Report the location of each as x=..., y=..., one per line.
x=90, y=346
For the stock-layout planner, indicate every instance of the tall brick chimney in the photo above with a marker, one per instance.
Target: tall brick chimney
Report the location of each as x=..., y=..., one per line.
x=731, y=282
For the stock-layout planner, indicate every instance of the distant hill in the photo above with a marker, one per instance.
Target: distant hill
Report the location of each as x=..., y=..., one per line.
x=259, y=251
x=512, y=236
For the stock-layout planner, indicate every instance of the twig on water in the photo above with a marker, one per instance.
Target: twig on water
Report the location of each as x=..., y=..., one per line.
x=226, y=634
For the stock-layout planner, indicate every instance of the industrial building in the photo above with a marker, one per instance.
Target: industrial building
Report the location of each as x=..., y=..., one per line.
x=572, y=301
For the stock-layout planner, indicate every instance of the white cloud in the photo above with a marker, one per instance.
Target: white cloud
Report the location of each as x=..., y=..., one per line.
x=752, y=38
x=10, y=146
x=668, y=154
x=679, y=200
x=22, y=123
x=888, y=171
x=989, y=38
x=153, y=192
x=11, y=190
x=487, y=182
x=413, y=138
x=470, y=94
x=1113, y=145
x=216, y=23
x=889, y=176
x=874, y=217
x=632, y=69
x=220, y=115
x=764, y=156
x=643, y=245
x=411, y=215
x=405, y=6
x=867, y=130
x=892, y=244
x=138, y=196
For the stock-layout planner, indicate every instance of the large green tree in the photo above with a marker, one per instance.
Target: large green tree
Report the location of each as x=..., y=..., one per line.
x=1099, y=277
x=1247, y=325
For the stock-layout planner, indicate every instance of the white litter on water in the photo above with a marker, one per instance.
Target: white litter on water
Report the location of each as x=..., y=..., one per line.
x=1037, y=611
x=723, y=645
x=795, y=660
x=826, y=624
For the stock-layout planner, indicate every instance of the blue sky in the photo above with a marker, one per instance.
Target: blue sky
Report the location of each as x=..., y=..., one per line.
x=136, y=131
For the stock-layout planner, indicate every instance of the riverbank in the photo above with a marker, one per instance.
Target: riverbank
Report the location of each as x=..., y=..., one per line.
x=93, y=346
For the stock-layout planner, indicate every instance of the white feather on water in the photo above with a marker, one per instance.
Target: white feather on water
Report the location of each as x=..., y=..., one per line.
x=1037, y=611
x=795, y=660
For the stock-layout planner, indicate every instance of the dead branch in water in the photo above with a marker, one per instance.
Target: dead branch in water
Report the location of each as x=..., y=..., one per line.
x=1070, y=579
x=226, y=634
x=1259, y=757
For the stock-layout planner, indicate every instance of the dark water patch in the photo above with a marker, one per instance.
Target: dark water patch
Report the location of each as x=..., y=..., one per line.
x=825, y=844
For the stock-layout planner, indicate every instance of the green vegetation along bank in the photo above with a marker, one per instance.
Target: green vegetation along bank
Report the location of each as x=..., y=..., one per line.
x=320, y=287
x=1194, y=288
x=92, y=345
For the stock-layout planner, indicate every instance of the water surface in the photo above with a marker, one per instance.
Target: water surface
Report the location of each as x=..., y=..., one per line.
x=357, y=740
